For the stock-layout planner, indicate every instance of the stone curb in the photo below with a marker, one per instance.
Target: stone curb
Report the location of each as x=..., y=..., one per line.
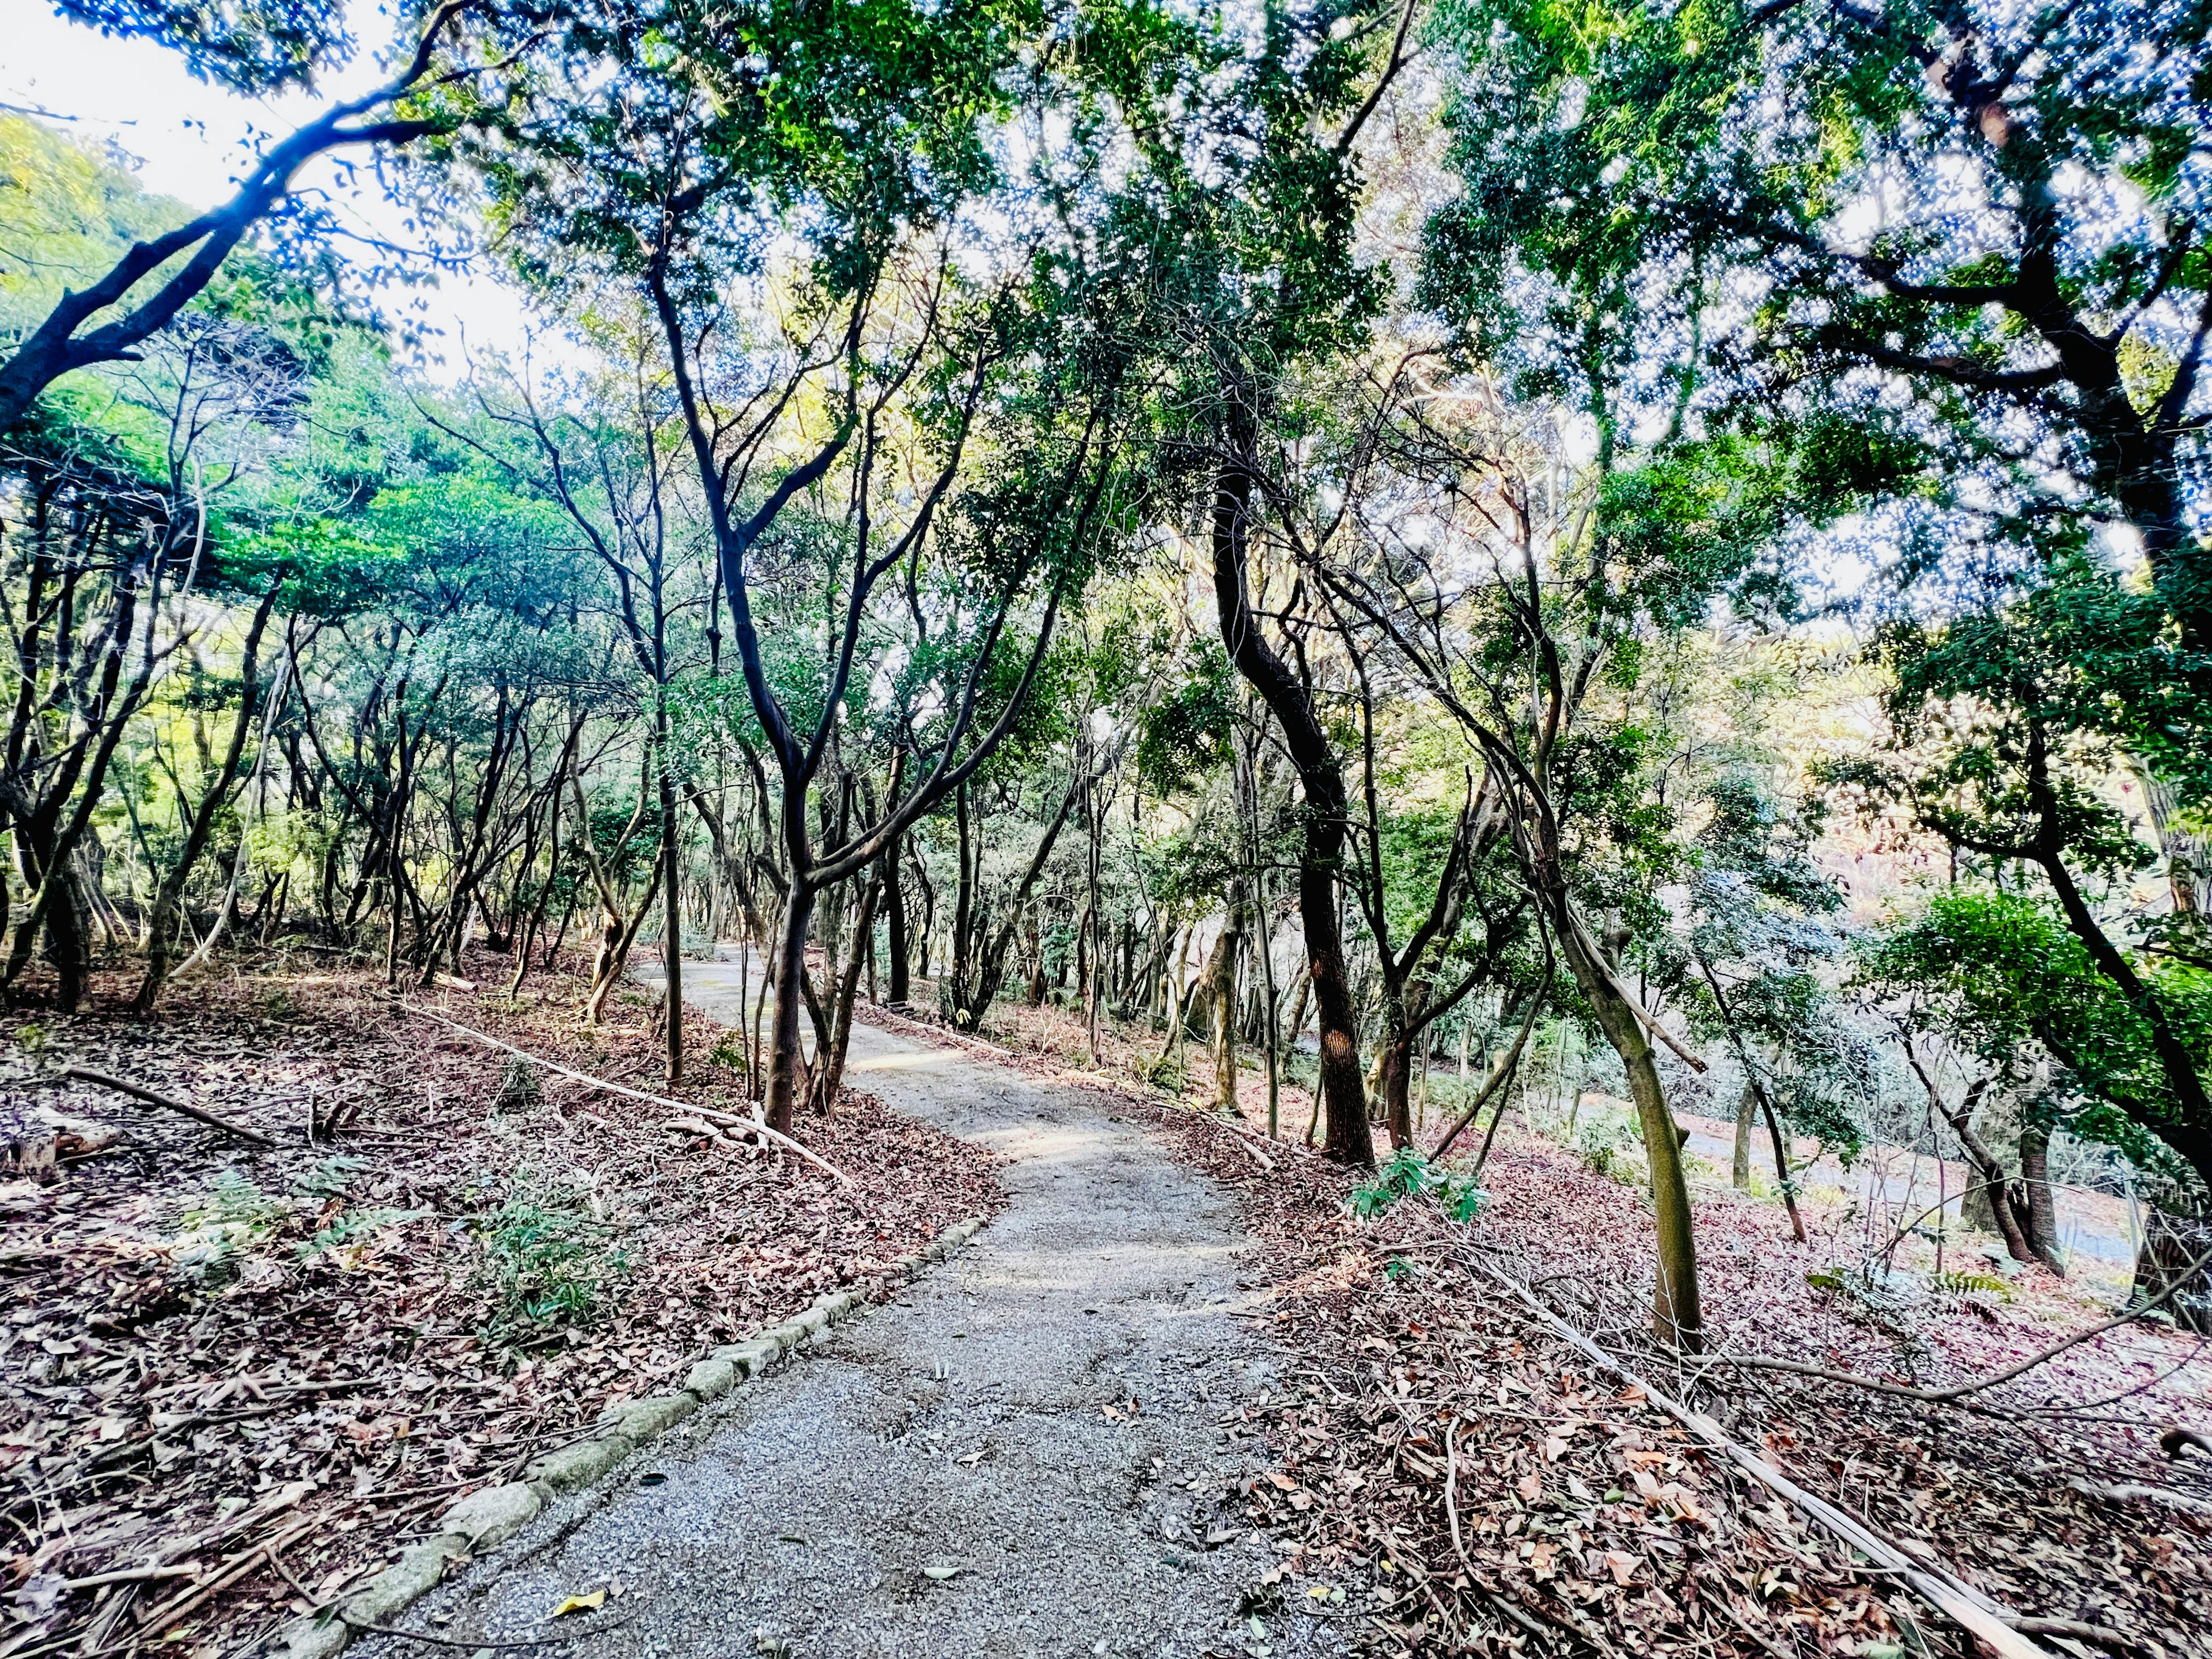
x=492, y=1515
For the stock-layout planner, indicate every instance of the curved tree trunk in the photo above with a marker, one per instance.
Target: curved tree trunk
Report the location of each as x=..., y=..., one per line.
x=1342, y=1095
x=1677, y=1318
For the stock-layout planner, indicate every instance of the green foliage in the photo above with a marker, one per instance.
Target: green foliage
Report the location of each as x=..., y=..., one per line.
x=1998, y=969
x=546, y=1266
x=350, y=1228
x=1610, y=1145
x=1187, y=731
x=1408, y=1175
x=230, y=1220
x=1962, y=1283
x=331, y=1178
x=266, y=45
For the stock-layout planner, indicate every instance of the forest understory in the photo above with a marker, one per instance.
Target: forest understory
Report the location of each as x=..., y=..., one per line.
x=234, y=1376
x=1585, y=1519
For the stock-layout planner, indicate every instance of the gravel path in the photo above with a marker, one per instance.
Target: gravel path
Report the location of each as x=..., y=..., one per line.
x=1024, y=1454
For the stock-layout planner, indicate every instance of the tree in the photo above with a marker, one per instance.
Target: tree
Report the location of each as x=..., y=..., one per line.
x=1751, y=969
x=143, y=290
x=1275, y=283
x=1012, y=397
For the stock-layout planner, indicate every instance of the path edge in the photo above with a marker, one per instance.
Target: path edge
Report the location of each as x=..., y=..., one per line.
x=492, y=1515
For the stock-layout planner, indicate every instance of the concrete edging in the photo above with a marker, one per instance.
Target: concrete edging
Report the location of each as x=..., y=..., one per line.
x=492, y=1515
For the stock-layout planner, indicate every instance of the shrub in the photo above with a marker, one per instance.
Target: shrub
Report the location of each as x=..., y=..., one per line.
x=1408, y=1175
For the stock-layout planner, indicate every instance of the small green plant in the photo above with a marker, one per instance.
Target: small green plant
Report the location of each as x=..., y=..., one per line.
x=1408, y=1175
x=31, y=1037
x=518, y=1086
x=229, y=1221
x=353, y=1226
x=546, y=1264
x=1963, y=1283
x=728, y=1052
x=328, y=1179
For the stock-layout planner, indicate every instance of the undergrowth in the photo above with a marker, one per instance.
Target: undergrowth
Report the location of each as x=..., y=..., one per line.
x=1408, y=1175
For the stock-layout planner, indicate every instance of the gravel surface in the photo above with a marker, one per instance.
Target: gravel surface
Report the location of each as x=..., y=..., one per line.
x=1025, y=1453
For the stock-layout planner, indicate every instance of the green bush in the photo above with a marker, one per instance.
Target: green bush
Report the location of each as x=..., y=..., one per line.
x=1612, y=1146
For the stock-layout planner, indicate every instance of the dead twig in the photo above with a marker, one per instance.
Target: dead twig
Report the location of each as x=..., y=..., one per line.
x=193, y=1595
x=1957, y=1601
x=1956, y=1390
x=156, y=1098
x=746, y=1126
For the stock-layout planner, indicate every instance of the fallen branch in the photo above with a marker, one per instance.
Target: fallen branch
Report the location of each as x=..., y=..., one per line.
x=745, y=1125
x=2079, y=1629
x=2131, y=1492
x=1956, y=1390
x=154, y=1097
x=1957, y=1601
x=192, y=1595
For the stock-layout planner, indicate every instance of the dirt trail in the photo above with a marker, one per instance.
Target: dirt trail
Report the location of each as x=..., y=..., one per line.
x=942, y=1476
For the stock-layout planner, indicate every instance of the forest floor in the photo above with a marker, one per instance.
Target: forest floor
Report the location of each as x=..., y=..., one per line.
x=1285, y=1428
x=222, y=1359
x=1584, y=1518
x=1044, y=1446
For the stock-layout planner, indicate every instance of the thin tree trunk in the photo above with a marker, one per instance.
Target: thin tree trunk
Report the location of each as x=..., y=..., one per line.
x=671, y=893
x=1746, y=1108
x=1221, y=987
x=2042, y=1216
x=1677, y=1318
x=897, y=989
x=1342, y=1093
x=170, y=896
x=788, y=974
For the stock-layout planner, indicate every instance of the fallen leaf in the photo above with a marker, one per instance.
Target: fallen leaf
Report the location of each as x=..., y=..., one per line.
x=1277, y=1478
x=1621, y=1566
x=589, y=1603
x=940, y=1574
x=1530, y=1487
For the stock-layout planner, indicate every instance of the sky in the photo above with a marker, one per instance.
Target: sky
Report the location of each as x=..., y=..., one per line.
x=189, y=141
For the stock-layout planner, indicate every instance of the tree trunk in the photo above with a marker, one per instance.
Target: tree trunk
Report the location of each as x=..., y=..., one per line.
x=2039, y=1216
x=898, y=988
x=1221, y=989
x=788, y=973
x=1677, y=1316
x=671, y=893
x=1746, y=1108
x=1342, y=1094
x=830, y=1068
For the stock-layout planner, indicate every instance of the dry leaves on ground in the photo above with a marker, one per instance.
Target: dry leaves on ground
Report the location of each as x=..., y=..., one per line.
x=1582, y=1518
x=216, y=1353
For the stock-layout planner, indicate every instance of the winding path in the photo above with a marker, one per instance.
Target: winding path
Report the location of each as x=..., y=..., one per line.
x=1024, y=1454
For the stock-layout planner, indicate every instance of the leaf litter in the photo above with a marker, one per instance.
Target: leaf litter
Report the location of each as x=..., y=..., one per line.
x=1582, y=1519
x=225, y=1372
